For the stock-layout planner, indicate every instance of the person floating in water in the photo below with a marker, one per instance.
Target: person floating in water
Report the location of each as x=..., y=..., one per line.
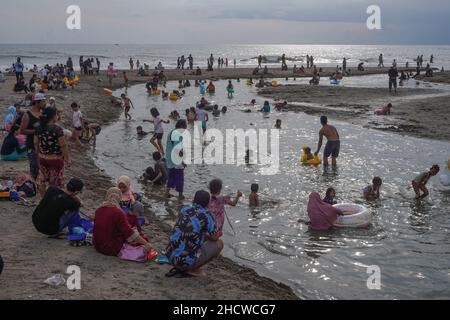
x=329, y=196
x=386, y=110
x=140, y=132
x=372, y=192
x=419, y=182
x=333, y=144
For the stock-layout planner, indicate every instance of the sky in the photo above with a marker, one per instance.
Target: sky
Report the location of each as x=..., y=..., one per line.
x=226, y=22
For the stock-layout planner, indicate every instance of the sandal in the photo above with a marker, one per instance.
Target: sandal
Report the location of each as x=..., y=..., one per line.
x=173, y=272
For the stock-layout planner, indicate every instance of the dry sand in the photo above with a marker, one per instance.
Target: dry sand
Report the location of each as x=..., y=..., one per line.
x=30, y=257
x=416, y=112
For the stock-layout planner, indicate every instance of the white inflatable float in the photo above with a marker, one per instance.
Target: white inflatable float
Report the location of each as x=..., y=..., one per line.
x=355, y=216
x=445, y=177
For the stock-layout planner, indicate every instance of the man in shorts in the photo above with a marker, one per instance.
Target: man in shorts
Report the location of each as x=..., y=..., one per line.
x=333, y=144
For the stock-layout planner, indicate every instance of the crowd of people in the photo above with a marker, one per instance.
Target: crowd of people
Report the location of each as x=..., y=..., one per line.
x=116, y=229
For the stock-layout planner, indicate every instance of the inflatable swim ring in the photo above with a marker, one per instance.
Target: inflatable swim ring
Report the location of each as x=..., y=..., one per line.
x=275, y=84
x=355, y=216
x=249, y=83
x=156, y=92
x=106, y=90
x=445, y=177
x=71, y=82
x=314, y=161
x=173, y=97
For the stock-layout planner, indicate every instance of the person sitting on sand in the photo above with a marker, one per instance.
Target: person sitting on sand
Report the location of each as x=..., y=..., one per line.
x=194, y=241
x=11, y=148
x=333, y=144
x=253, y=198
x=329, y=196
x=386, y=110
x=280, y=105
x=113, y=236
x=217, y=204
x=321, y=214
x=128, y=198
x=372, y=192
x=57, y=208
x=158, y=175
x=419, y=182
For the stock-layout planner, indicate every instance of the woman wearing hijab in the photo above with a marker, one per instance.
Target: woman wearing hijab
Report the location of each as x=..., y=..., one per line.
x=11, y=149
x=127, y=197
x=10, y=118
x=113, y=236
x=321, y=214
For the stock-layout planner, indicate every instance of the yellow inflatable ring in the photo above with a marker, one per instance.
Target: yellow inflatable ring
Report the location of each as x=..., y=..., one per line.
x=275, y=84
x=173, y=97
x=106, y=90
x=314, y=162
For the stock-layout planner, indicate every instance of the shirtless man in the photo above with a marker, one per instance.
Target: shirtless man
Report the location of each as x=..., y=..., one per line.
x=333, y=144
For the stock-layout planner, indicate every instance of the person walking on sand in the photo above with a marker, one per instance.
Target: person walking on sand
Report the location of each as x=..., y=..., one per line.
x=191, y=62
x=393, y=74
x=431, y=59
x=333, y=142
x=259, y=61
x=18, y=69
x=380, y=61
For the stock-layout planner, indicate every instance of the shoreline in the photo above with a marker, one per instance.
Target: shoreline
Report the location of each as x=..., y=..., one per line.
x=416, y=112
x=35, y=257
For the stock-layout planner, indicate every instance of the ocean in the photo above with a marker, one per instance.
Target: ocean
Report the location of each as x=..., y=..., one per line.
x=245, y=55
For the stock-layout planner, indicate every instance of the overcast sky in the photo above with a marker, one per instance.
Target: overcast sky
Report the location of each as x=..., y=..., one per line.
x=226, y=21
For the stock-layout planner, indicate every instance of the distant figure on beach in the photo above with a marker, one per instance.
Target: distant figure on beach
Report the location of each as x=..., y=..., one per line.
x=431, y=59
x=393, y=74
x=307, y=61
x=259, y=61
x=191, y=62
x=230, y=89
x=283, y=62
x=361, y=66
x=333, y=143
x=138, y=64
x=110, y=73
x=125, y=79
x=419, y=182
x=131, y=64
x=234, y=63
x=380, y=61
x=344, y=64
x=372, y=192
x=386, y=110
x=18, y=69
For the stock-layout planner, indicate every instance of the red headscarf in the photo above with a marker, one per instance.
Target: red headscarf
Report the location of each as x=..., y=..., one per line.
x=321, y=214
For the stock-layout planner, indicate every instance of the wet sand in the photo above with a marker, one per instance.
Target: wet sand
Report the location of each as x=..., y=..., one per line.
x=412, y=114
x=30, y=257
x=438, y=77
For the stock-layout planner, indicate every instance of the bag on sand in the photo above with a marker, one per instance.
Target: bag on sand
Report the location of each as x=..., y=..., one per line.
x=132, y=253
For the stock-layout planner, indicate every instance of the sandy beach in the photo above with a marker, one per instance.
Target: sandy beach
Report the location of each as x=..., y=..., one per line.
x=411, y=114
x=33, y=257
x=30, y=257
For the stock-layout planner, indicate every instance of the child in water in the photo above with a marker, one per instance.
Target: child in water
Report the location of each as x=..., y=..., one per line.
x=278, y=124
x=329, y=196
x=127, y=105
x=140, y=132
x=217, y=203
x=158, y=131
x=216, y=111
x=253, y=199
x=307, y=154
x=230, y=89
x=421, y=180
x=372, y=192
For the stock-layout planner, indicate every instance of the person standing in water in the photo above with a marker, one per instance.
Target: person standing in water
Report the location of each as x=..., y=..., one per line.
x=333, y=143
x=131, y=64
x=393, y=74
x=380, y=60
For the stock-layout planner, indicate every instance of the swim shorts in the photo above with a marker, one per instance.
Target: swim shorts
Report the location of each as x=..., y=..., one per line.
x=158, y=136
x=332, y=148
